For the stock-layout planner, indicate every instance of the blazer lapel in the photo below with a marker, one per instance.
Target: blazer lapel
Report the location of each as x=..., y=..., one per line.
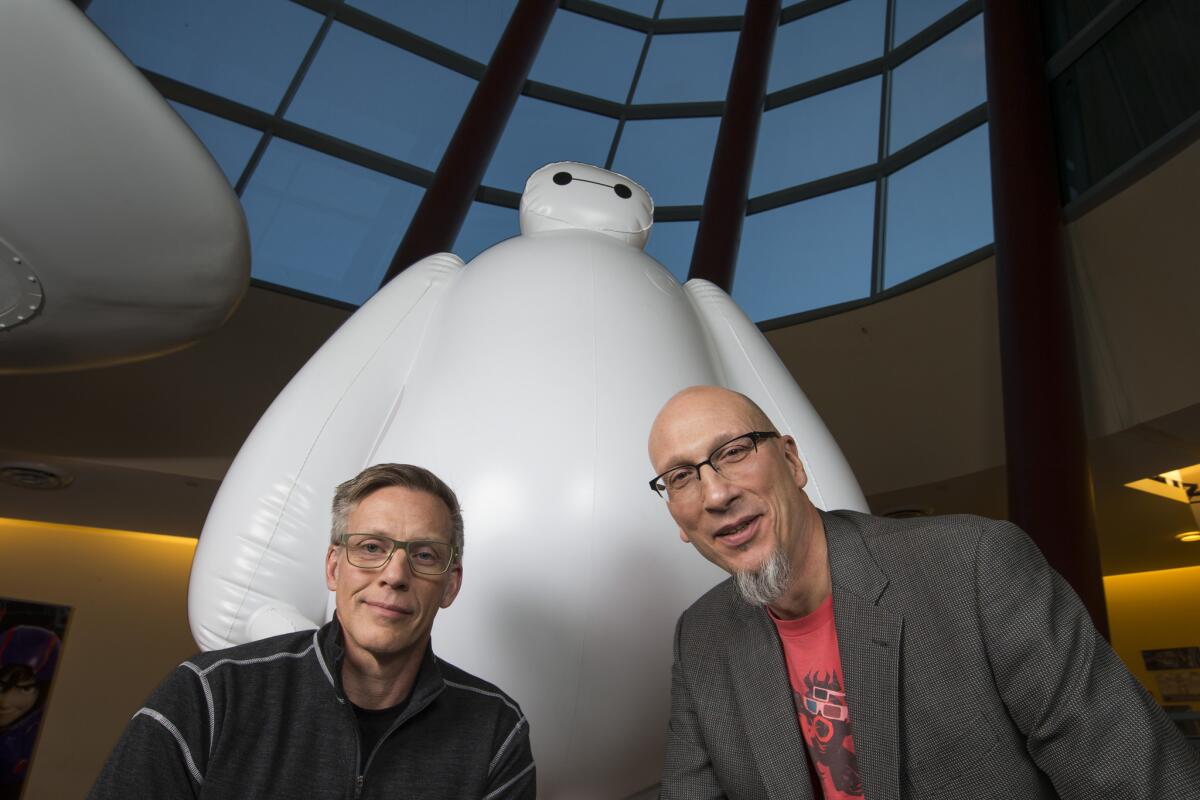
x=764, y=694
x=869, y=640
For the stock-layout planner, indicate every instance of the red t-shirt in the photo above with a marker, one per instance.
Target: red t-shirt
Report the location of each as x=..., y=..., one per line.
x=810, y=646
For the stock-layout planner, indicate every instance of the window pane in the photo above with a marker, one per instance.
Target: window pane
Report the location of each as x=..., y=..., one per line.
x=687, y=67
x=806, y=255
x=381, y=97
x=702, y=8
x=246, y=50
x=588, y=55
x=1135, y=86
x=670, y=157
x=229, y=143
x=642, y=7
x=914, y=16
x=938, y=208
x=322, y=225
x=538, y=133
x=827, y=41
x=817, y=137
x=485, y=226
x=671, y=245
x=937, y=84
x=470, y=27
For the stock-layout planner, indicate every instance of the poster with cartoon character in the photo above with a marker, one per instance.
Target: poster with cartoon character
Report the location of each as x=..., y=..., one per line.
x=31, y=636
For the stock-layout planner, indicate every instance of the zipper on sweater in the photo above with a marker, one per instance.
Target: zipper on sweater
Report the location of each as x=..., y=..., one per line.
x=358, y=784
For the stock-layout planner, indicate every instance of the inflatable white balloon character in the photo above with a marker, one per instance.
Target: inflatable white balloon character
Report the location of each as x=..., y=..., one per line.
x=528, y=381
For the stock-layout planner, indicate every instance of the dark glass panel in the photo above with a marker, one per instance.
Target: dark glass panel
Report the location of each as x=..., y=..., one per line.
x=538, y=133
x=806, y=255
x=1131, y=89
x=670, y=157
x=1065, y=18
x=914, y=16
x=485, y=226
x=229, y=143
x=937, y=84
x=938, y=208
x=588, y=55
x=469, y=27
x=322, y=225
x=687, y=67
x=817, y=137
x=838, y=37
x=671, y=245
x=246, y=50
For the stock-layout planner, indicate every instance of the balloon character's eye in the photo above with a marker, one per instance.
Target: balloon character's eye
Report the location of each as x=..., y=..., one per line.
x=623, y=191
x=563, y=178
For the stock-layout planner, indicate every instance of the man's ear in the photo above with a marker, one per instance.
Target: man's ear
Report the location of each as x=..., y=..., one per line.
x=331, y=568
x=683, y=537
x=452, y=586
x=792, y=454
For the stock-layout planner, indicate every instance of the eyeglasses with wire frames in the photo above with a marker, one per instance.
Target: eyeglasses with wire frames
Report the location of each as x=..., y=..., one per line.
x=373, y=551
x=728, y=461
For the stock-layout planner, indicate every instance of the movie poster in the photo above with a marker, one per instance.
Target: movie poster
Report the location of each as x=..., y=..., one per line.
x=31, y=636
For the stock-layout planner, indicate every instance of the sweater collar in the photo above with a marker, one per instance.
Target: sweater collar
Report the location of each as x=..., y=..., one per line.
x=331, y=651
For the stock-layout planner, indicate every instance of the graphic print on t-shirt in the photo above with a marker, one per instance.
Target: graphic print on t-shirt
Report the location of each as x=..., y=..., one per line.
x=825, y=722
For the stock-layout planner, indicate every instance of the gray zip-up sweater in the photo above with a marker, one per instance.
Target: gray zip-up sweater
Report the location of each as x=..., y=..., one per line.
x=270, y=719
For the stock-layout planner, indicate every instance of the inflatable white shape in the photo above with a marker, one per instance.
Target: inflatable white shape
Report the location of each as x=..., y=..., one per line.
x=528, y=380
x=120, y=238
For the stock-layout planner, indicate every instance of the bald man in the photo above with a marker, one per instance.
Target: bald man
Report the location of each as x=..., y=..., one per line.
x=853, y=656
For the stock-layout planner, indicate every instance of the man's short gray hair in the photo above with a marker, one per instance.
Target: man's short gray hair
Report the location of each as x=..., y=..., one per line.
x=348, y=495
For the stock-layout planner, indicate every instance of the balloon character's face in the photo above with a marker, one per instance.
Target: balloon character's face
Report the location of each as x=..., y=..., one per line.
x=18, y=693
x=568, y=195
x=389, y=611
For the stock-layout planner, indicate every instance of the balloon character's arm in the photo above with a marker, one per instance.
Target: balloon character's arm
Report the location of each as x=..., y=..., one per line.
x=259, y=567
x=749, y=365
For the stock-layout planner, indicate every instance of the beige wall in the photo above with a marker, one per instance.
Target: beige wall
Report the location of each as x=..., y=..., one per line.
x=128, y=628
x=1153, y=611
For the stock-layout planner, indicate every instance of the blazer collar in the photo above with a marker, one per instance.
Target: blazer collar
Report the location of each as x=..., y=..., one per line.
x=762, y=688
x=869, y=641
x=850, y=562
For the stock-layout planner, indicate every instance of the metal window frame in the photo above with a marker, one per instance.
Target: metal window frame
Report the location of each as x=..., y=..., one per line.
x=274, y=125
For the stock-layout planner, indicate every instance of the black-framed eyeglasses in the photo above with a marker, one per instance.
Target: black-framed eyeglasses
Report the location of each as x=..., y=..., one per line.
x=727, y=461
x=372, y=551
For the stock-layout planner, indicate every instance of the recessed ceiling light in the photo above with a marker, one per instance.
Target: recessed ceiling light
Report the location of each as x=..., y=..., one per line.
x=1188, y=536
x=33, y=475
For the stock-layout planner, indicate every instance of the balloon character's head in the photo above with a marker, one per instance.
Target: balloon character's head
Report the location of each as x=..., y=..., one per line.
x=28, y=655
x=568, y=195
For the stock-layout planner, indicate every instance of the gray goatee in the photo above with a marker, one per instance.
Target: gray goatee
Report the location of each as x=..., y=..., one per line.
x=766, y=584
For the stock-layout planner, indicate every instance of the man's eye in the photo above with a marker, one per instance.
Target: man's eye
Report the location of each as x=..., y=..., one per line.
x=678, y=478
x=735, y=452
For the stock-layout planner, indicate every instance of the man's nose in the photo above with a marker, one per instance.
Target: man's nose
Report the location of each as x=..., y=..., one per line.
x=397, y=571
x=718, y=492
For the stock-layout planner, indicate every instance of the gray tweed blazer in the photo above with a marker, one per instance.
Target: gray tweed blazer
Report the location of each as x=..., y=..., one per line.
x=971, y=669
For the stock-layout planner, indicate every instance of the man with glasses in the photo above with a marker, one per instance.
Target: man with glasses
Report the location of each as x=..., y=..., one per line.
x=360, y=708
x=855, y=656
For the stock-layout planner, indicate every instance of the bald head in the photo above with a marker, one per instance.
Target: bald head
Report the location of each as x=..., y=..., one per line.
x=704, y=412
